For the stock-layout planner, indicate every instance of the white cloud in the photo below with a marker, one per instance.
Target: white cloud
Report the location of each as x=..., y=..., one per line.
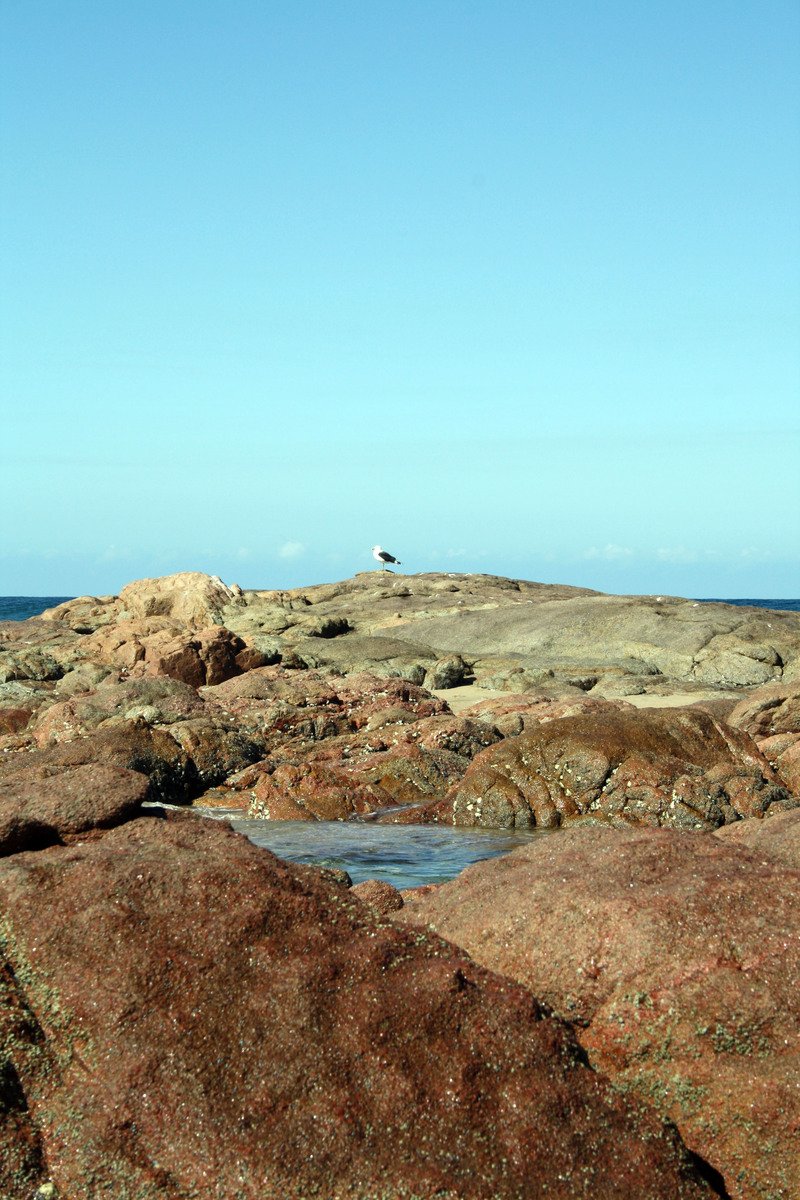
x=291, y=550
x=610, y=552
x=676, y=554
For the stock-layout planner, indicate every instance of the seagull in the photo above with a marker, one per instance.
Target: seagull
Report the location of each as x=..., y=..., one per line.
x=384, y=557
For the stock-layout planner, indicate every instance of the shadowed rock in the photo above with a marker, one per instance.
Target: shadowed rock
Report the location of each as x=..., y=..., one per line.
x=264, y=1036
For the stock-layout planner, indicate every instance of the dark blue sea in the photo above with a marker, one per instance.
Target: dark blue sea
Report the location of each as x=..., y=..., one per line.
x=19, y=608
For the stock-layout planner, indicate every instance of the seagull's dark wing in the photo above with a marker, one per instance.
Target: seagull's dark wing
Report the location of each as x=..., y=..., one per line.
x=387, y=557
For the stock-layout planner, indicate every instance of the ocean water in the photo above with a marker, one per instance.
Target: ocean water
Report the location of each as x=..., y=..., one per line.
x=783, y=605
x=19, y=608
x=405, y=855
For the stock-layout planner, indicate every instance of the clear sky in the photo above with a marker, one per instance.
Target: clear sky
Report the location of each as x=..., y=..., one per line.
x=506, y=287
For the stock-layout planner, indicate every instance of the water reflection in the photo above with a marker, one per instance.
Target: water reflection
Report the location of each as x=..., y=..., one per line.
x=405, y=855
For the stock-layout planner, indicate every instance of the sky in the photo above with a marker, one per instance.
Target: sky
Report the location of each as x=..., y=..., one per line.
x=510, y=288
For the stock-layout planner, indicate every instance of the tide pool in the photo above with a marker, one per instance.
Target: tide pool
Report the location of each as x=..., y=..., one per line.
x=404, y=855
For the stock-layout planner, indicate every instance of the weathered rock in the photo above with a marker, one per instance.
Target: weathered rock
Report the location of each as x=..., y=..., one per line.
x=778, y=837
x=378, y=894
x=678, y=957
x=19, y=702
x=672, y=767
x=447, y=673
x=310, y=792
x=782, y=752
x=153, y=701
x=208, y=657
x=37, y=650
x=190, y=597
x=40, y=808
x=513, y=714
x=769, y=710
x=132, y=745
x=263, y=1035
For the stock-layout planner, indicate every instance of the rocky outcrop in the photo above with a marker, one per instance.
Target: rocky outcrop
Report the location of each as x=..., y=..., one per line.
x=769, y=710
x=264, y=1034
x=40, y=806
x=677, y=956
x=778, y=838
x=671, y=767
x=344, y=747
x=509, y=635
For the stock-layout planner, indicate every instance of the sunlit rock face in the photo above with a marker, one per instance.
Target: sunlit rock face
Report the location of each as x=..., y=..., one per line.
x=673, y=767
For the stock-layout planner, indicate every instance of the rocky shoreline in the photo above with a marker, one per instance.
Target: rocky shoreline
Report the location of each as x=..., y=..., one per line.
x=615, y=1011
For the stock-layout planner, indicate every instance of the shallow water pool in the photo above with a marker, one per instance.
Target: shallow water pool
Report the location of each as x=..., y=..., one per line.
x=405, y=855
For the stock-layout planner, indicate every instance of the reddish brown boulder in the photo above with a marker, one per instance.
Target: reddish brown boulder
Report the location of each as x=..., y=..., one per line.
x=391, y=761
x=264, y=1036
x=153, y=701
x=512, y=714
x=131, y=745
x=19, y=702
x=309, y=792
x=771, y=709
x=672, y=767
x=205, y=658
x=378, y=894
x=678, y=957
x=778, y=837
x=39, y=808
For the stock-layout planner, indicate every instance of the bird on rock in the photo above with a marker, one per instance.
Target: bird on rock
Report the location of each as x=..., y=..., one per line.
x=384, y=557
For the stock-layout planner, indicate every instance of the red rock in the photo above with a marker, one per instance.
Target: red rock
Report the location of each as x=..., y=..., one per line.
x=677, y=955
x=38, y=808
x=677, y=767
x=311, y=792
x=204, y=658
x=162, y=701
x=130, y=745
x=187, y=1015
x=378, y=894
x=513, y=714
x=778, y=836
x=771, y=709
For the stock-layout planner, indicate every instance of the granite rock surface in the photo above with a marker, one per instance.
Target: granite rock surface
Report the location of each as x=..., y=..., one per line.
x=184, y=1015
x=677, y=958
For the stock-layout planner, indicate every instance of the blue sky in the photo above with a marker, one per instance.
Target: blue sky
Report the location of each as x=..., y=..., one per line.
x=506, y=287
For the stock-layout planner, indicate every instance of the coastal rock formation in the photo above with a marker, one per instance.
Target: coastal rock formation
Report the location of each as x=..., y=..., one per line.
x=39, y=807
x=779, y=837
x=672, y=767
x=769, y=710
x=677, y=956
x=263, y=1034
x=509, y=634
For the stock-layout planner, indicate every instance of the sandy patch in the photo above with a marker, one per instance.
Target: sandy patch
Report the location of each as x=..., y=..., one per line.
x=461, y=698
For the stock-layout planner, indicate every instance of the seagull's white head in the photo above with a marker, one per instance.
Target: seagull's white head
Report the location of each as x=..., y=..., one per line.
x=376, y=549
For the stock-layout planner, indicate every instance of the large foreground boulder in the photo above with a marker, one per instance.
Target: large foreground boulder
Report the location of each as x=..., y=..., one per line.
x=670, y=767
x=677, y=955
x=185, y=1016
